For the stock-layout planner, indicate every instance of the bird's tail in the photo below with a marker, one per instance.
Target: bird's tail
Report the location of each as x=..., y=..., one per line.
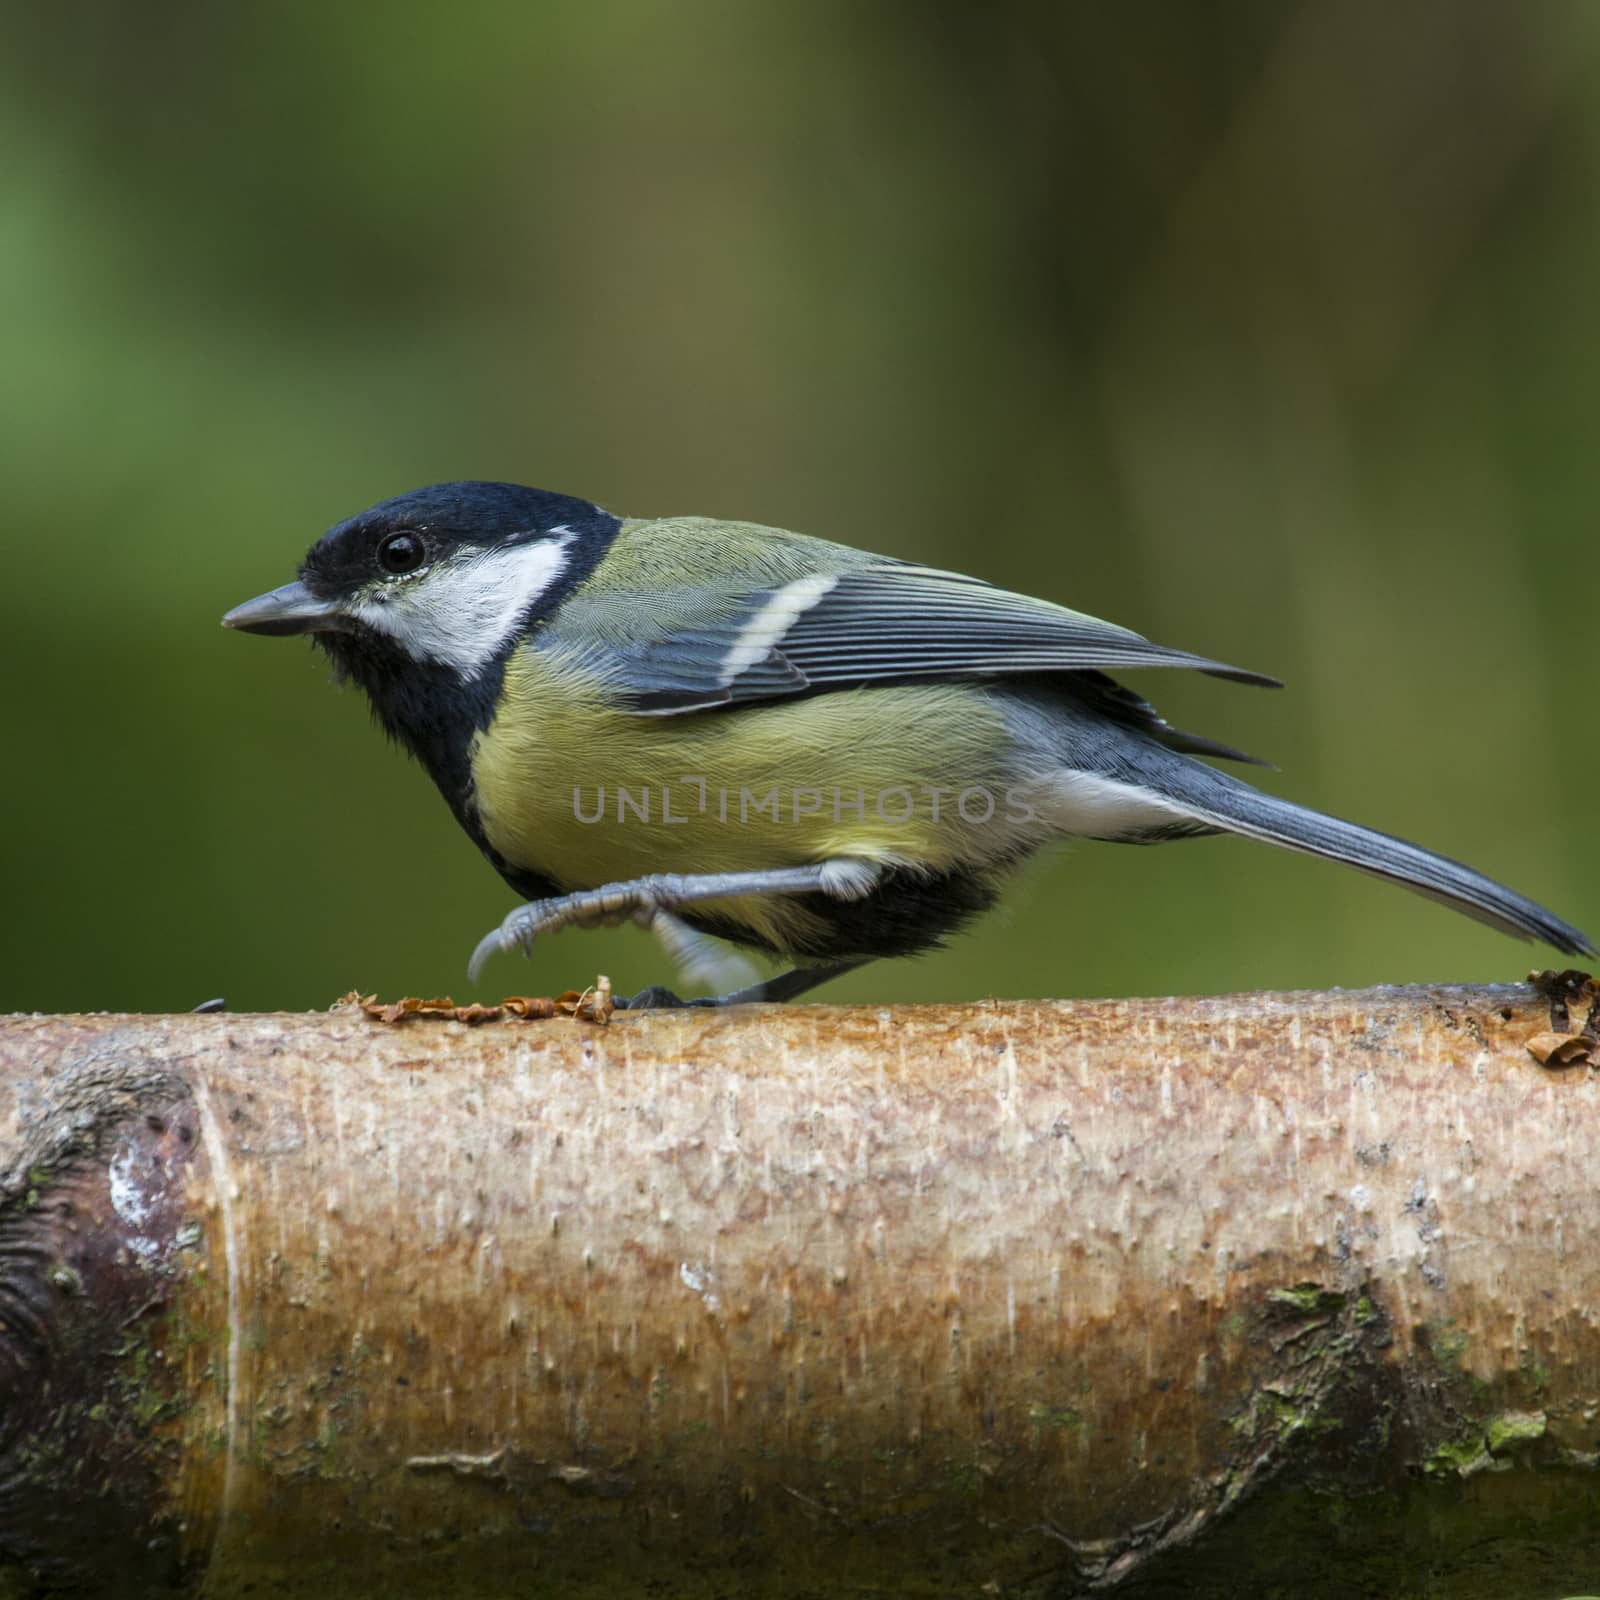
x=1223, y=802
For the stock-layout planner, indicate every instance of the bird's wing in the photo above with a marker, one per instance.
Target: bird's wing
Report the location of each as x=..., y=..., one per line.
x=885, y=623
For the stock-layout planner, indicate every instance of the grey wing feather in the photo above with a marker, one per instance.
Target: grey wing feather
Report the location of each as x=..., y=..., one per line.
x=1119, y=703
x=895, y=622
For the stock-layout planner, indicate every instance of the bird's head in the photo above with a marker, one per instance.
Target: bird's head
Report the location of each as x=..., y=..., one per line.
x=445, y=579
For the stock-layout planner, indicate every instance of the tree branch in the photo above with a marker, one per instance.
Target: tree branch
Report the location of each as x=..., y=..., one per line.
x=1046, y=1297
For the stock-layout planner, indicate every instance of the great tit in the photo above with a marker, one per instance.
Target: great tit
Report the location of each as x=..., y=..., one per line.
x=827, y=755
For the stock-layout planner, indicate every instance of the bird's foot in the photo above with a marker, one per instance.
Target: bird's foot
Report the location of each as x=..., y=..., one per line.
x=644, y=899
x=784, y=986
x=660, y=998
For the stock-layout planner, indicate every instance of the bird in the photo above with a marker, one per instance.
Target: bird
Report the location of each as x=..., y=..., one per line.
x=729, y=732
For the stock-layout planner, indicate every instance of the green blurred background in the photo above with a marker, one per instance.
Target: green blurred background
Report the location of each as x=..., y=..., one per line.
x=1269, y=329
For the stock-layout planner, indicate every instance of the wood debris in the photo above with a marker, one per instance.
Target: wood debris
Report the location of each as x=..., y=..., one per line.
x=1565, y=1044
x=594, y=1004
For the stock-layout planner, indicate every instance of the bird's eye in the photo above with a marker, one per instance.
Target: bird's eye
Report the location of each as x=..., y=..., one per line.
x=401, y=552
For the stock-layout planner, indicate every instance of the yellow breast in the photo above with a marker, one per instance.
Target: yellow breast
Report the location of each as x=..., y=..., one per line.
x=584, y=794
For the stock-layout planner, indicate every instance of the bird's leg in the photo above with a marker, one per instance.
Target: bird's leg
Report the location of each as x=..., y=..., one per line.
x=843, y=877
x=698, y=957
x=785, y=986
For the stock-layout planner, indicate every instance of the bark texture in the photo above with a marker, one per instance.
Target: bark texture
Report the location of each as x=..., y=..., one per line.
x=1271, y=1293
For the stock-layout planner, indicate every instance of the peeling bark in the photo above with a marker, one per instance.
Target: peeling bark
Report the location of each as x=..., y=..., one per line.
x=1168, y=1296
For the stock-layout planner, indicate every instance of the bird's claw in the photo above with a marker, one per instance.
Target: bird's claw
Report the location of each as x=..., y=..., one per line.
x=527, y=922
x=656, y=998
x=520, y=928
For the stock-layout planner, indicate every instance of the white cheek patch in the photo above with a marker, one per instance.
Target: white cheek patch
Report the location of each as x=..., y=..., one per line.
x=462, y=612
x=772, y=621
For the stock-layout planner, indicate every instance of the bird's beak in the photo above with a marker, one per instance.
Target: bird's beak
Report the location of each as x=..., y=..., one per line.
x=291, y=609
